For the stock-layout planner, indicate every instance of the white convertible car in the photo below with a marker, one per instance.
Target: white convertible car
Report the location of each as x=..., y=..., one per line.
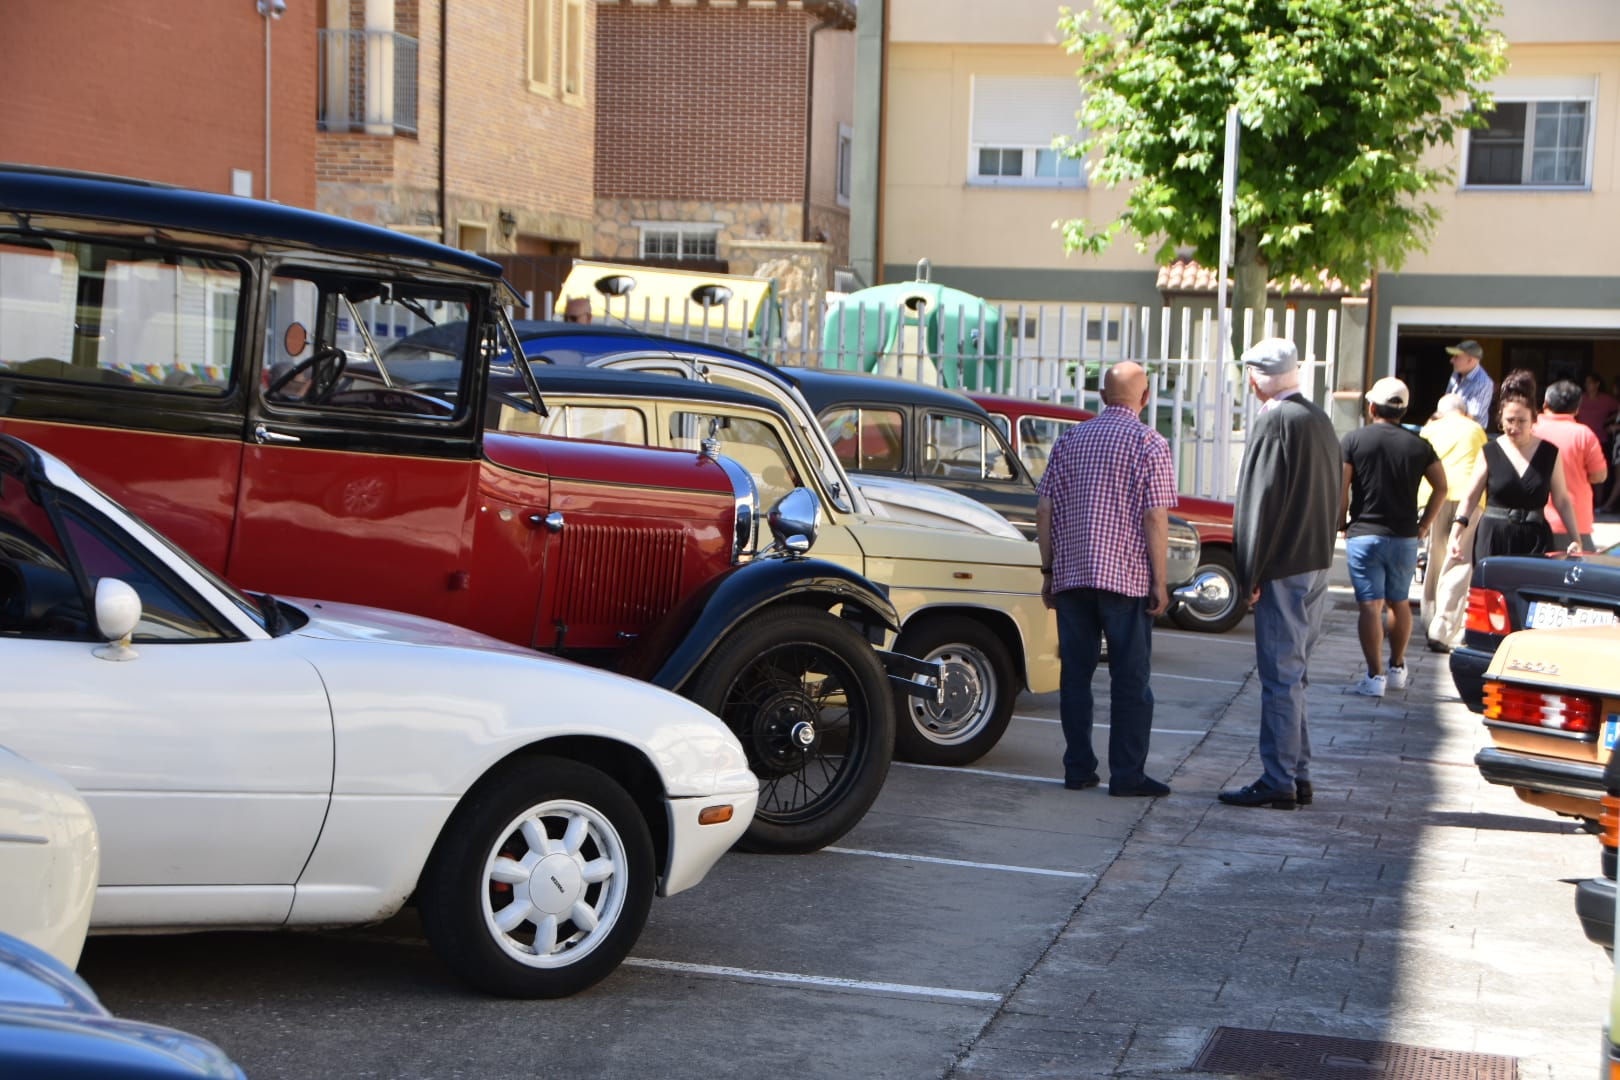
x=255, y=762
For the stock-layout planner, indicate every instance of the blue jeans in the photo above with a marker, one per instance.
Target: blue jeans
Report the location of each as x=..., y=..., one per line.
x=1084, y=618
x=1287, y=622
x=1381, y=567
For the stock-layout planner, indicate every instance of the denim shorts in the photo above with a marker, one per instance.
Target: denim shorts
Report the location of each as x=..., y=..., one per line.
x=1381, y=567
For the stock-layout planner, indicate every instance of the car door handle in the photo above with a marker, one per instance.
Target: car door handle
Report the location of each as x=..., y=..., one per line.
x=262, y=435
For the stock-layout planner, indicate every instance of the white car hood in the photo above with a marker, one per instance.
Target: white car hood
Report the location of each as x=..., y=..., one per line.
x=913, y=502
x=355, y=622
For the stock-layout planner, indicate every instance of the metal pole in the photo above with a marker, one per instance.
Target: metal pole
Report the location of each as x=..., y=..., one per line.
x=1223, y=333
x=267, y=100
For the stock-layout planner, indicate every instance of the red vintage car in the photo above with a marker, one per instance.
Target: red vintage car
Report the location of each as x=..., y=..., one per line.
x=213, y=363
x=1211, y=603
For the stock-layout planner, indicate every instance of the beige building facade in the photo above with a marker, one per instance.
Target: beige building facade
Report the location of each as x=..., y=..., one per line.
x=1522, y=261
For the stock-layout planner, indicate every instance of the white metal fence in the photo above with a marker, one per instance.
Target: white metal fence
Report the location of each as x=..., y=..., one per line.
x=1047, y=352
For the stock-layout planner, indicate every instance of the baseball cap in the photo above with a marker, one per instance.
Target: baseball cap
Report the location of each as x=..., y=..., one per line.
x=1271, y=356
x=1471, y=347
x=1389, y=391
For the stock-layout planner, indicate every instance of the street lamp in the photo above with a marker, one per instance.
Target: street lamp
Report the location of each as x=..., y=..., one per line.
x=271, y=10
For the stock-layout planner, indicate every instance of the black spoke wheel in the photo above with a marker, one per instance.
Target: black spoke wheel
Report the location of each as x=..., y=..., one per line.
x=805, y=695
x=1217, y=607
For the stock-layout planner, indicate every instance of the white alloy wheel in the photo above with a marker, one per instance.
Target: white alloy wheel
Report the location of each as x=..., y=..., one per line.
x=555, y=883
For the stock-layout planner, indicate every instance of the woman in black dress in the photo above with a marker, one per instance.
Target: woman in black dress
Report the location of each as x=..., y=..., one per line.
x=1517, y=473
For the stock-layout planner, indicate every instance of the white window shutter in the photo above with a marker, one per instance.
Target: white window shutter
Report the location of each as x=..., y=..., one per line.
x=1023, y=110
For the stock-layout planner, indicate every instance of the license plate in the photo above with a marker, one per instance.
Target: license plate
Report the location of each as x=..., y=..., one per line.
x=1545, y=616
x=1611, y=728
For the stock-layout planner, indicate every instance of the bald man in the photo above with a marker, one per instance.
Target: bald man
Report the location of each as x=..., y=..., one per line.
x=1103, y=525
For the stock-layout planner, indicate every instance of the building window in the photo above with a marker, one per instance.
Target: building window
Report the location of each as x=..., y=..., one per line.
x=679, y=240
x=542, y=24
x=1538, y=135
x=573, y=43
x=846, y=164
x=1015, y=118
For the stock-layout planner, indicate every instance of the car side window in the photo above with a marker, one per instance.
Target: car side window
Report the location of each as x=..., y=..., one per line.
x=148, y=317
x=1036, y=437
x=601, y=423
x=867, y=439
x=963, y=448
x=337, y=342
x=40, y=596
x=751, y=443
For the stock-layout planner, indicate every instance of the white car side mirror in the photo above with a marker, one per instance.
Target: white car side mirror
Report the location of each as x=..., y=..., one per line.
x=118, y=610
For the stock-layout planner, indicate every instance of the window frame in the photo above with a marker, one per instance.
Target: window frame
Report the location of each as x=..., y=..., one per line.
x=983, y=114
x=681, y=230
x=542, y=47
x=1524, y=92
x=844, y=165
x=571, y=62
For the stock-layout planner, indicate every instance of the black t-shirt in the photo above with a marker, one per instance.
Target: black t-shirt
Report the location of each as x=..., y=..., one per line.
x=1388, y=463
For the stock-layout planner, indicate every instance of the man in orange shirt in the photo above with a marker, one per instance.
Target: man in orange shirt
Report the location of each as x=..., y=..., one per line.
x=1579, y=455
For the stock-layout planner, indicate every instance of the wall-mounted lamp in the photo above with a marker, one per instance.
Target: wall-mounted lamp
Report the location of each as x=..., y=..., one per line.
x=272, y=8
x=508, y=223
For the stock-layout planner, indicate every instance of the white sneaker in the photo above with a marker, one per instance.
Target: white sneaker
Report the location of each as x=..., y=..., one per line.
x=1369, y=686
x=1396, y=677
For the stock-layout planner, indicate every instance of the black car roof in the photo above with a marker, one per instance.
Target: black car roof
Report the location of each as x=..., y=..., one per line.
x=614, y=382
x=27, y=190
x=823, y=388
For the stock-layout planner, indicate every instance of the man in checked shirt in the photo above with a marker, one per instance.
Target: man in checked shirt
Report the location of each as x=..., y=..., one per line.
x=1103, y=526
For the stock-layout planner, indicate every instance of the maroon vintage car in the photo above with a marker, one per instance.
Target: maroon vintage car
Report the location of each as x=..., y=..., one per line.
x=1211, y=603
x=212, y=363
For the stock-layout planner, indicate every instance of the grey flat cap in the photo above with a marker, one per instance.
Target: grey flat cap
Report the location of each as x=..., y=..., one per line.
x=1272, y=356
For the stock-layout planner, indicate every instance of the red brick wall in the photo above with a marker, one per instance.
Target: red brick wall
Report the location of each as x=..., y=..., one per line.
x=700, y=102
x=171, y=91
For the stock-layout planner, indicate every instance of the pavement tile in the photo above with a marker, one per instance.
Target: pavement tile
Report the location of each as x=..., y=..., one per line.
x=1412, y=902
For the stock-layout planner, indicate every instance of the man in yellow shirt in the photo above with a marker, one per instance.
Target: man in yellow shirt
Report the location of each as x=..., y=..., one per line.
x=1457, y=440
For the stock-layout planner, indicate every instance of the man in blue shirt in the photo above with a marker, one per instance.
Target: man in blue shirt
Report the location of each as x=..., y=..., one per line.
x=1470, y=381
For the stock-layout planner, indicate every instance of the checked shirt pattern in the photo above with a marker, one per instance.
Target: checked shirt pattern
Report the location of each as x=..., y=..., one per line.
x=1102, y=476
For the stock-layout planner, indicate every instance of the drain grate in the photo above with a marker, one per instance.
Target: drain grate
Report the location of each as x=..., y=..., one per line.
x=1285, y=1055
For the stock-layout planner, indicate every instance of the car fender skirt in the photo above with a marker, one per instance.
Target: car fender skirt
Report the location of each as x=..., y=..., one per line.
x=1577, y=779
x=685, y=637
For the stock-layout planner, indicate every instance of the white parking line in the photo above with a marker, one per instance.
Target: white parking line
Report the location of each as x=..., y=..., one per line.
x=1213, y=639
x=960, y=862
x=1198, y=678
x=790, y=979
x=1055, y=720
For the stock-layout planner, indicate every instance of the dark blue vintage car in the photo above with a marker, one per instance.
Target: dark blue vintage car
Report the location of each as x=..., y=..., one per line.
x=52, y=1027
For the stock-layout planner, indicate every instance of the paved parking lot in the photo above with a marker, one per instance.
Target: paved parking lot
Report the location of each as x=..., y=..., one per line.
x=984, y=922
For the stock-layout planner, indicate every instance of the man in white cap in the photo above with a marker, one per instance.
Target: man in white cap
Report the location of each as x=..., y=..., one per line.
x=1285, y=521
x=1471, y=381
x=1384, y=465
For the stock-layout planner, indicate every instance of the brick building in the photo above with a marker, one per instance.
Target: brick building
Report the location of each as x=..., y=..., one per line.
x=175, y=92
x=707, y=115
x=497, y=156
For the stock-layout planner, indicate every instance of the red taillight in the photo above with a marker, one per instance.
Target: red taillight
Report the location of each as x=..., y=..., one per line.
x=1487, y=611
x=1524, y=705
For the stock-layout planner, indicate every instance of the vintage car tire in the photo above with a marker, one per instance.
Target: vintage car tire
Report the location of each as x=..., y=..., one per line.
x=806, y=696
x=979, y=678
x=596, y=832
x=1216, y=564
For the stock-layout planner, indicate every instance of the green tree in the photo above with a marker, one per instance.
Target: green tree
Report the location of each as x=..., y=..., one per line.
x=1341, y=103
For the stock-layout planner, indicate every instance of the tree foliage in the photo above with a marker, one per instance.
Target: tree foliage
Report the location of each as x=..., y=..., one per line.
x=1341, y=102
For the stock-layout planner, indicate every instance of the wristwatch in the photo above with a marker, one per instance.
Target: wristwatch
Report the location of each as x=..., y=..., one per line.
x=1460, y=519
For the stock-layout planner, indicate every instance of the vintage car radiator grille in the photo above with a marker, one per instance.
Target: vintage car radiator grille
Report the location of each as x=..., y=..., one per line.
x=614, y=574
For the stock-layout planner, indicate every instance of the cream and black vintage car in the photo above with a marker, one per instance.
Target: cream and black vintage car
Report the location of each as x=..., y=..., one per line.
x=966, y=600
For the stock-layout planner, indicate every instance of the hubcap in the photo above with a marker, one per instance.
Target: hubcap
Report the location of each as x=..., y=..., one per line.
x=555, y=884
x=966, y=685
x=1212, y=594
x=785, y=732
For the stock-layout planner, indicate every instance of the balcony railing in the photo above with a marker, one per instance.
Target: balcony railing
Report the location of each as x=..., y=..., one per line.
x=367, y=82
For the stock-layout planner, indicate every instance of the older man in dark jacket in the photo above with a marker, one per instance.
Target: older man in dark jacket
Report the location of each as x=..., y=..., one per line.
x=1286, y=518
